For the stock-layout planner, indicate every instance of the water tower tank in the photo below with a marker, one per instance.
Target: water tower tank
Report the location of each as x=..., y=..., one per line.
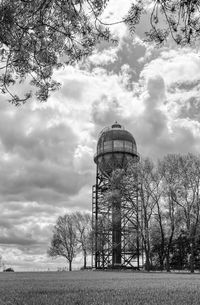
x=115, y=148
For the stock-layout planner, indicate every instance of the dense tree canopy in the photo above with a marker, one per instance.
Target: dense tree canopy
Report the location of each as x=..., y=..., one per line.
x=38, y=36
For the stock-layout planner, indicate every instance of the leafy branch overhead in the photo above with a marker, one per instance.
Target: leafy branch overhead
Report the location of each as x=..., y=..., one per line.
x=178, y=19
x=39, y=36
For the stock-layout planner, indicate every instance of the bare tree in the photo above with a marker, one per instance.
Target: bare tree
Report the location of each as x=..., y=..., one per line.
x=151, y=198
x=64, y=239
x=141, y=176
x=187, y=197
x=83, y=225
x=178, y=211
x=169, y=204
x=167, y=215
x=148, y=196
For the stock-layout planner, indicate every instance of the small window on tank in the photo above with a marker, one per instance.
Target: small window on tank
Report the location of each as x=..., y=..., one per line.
x=118, y=144
x=108, y=145
x=128, y=145
x=100, y=148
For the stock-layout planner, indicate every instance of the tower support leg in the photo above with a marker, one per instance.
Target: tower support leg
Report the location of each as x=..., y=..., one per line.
x=116, y=233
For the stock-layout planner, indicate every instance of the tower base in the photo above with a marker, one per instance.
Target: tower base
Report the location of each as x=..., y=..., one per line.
x=128, y=240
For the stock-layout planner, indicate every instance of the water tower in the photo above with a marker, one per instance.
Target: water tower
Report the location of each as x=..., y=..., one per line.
x=113, y=221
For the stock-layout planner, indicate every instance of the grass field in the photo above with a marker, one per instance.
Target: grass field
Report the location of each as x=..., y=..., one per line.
x=99, y=288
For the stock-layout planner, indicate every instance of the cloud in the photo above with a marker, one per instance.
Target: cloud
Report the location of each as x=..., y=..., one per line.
x=47, y=150
x=105, y=110
x=107, y=56
x=170, y=119
x=176, y=66
x=38, y=156
x=151, y=124
x=83, y=159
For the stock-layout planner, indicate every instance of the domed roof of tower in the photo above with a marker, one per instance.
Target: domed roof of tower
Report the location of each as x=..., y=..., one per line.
x=115, y=148
x=115, y=132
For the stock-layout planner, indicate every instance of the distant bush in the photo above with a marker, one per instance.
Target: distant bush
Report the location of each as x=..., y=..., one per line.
x=8, y=270
x=86, y=268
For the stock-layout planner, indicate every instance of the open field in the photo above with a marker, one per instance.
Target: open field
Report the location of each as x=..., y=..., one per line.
x=99, y=288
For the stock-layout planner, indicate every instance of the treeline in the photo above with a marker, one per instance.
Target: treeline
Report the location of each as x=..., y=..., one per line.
x=168, y=208
x=167, y=215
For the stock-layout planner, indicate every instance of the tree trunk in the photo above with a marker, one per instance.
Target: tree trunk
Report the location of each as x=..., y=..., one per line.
x=162, y=245
x=161, y=261
x=85, y=259
x=167, y=261
x=70, y=265
x=146, y=242
x=192, y=246
x=168, y=249
x=147, y=256
x=147, y=265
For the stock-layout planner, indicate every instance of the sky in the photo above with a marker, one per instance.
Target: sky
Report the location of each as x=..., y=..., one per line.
x=46, y=164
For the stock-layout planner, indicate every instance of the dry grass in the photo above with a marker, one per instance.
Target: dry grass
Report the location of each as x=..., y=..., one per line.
x=99, y=288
